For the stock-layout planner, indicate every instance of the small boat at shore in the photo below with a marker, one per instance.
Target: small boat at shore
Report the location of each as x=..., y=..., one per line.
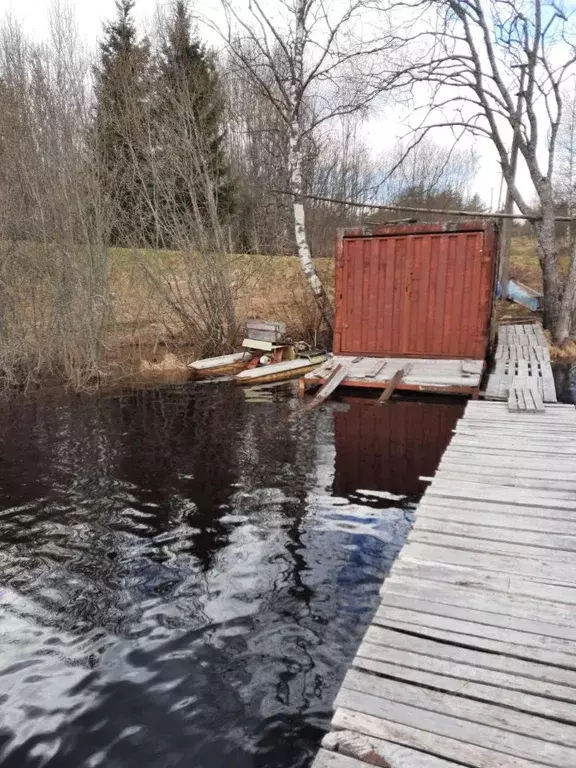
x=225, y=365
x=283, y=371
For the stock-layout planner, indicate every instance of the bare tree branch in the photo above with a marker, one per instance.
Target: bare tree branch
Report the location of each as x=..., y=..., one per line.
x=323, y=66
x=505, y=62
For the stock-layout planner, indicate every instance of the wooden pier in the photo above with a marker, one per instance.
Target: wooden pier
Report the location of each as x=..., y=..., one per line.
x=520, y=372
x=460, y=377
x=470, y=659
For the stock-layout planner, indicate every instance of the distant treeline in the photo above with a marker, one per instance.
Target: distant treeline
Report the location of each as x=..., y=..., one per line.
x=169, y=136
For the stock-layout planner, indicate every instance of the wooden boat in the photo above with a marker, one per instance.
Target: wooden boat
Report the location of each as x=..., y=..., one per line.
x=225, y=365
x=283, y=371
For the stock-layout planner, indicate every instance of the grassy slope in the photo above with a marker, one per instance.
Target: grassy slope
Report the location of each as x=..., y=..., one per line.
x=264, y=286
x=525, y=268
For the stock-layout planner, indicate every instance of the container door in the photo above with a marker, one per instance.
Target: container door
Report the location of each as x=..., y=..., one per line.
x=414, y=295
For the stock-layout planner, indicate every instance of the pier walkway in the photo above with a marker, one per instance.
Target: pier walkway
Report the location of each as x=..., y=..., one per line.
x=521, y=372
x=470, y=659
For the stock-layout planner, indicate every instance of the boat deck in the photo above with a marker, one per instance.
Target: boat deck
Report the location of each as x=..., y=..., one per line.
x=470, y=659
x=420, y=374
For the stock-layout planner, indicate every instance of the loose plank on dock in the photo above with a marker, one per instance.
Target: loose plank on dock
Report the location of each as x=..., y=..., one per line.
x=524, y=395
x=392, y=384
x=471, y=655
x=333, y=381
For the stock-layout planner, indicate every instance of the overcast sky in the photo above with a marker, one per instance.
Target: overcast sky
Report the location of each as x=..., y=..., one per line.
x=91, y=14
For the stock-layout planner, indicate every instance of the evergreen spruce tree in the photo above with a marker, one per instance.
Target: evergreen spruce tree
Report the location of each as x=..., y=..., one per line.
x=122, y=89
x=189, y=98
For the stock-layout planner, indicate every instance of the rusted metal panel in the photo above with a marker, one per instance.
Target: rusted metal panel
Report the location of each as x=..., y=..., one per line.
x=425, y=228
x=423, y=290
x=391, y=448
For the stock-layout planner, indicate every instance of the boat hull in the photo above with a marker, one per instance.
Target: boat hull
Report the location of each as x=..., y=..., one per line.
x=273, y=373
x=227, y=365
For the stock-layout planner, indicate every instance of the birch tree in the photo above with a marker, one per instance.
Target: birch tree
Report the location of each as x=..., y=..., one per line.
x=313, y=62
x=497, y=68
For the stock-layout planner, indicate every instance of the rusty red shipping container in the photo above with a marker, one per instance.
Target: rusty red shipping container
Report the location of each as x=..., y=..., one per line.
x=420, y=290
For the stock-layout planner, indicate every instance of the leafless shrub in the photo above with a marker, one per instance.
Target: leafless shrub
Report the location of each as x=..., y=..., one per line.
x=53, y=259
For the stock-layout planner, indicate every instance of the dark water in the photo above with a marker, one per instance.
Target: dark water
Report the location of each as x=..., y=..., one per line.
x=186, y=574
x=565, y=379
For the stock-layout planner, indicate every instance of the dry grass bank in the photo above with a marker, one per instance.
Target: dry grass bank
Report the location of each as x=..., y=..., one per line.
x=145, y=333
x=145, y=338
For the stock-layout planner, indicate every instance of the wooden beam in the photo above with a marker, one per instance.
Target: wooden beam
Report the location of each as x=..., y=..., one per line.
x=413, y=209
x=332, y=382
x=392, y=384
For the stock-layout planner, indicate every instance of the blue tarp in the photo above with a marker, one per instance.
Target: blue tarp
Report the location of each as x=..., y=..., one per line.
x=523, y=295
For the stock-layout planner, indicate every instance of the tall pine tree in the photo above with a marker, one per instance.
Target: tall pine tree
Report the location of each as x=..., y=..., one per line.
x=122, y=90
x=190, y=106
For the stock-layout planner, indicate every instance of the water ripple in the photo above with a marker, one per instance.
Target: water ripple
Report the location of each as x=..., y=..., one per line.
x=186, y=574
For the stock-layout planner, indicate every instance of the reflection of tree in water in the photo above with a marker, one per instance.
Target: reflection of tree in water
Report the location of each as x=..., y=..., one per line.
x=283, y=455
x=173, y=459
x=48, y=448
x=132, y=471
x=181, y=453
x=110, y=479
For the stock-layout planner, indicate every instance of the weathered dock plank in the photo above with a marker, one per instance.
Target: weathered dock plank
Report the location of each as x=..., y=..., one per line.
x=430, y=742
x=340, y=744
x=471, y=654
x=398, y=703
x=420, y=374
x=521, y=373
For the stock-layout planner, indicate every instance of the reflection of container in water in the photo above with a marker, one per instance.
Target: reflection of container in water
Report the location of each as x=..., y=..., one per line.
x=388, y=449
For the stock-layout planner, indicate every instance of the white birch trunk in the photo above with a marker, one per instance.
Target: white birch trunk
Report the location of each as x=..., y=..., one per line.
x=295, y=161
x=302, y=245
